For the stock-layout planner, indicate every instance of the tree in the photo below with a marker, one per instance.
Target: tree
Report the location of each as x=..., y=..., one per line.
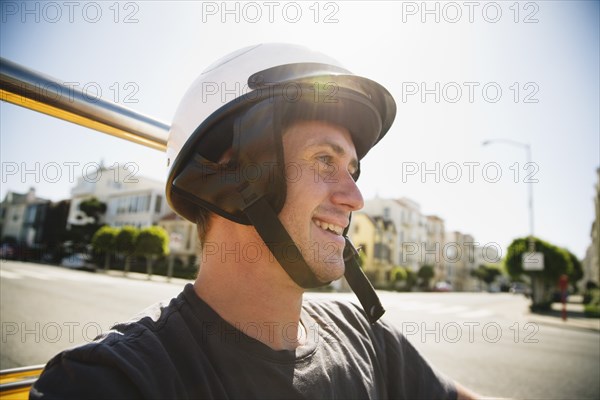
x=125, y=244
x=54, y=233
x=556, y=263
x=411, y=279
x=103, y=241
x=81, y=234
x=577, y=271
x=398, y=276
x=152, y=242
x=93, y=208
x=486, y=274
x=426, y=272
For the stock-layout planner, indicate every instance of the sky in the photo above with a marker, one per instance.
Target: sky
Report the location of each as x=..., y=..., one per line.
x=461, y=73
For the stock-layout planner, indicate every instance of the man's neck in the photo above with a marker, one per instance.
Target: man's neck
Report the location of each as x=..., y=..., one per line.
x=254, y=293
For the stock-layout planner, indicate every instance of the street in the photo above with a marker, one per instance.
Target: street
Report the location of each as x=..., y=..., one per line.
x=485, y=341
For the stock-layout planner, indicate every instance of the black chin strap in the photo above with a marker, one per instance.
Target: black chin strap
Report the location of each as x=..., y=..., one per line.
x=360, y=284
x=267, y=224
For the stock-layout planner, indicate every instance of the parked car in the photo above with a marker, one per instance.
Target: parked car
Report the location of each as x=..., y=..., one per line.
x=442, y=287
x=6, y=251
x=520, y=288
x=78, y=261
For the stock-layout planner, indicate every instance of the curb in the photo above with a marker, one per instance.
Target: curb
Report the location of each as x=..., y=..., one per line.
x=593, y=324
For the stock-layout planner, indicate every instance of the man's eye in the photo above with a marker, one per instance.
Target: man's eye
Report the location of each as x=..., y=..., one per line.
x=325, y=159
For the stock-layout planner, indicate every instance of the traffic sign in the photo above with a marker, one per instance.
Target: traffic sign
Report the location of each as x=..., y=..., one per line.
x=533, y=261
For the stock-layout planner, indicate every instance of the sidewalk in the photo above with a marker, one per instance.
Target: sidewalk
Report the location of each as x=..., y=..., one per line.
x=575, y=317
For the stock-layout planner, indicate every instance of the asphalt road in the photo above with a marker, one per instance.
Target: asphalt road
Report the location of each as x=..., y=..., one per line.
x=485, y=341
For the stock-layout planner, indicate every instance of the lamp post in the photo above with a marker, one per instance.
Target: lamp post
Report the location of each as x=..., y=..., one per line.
x=530, y=257
x=527, y=148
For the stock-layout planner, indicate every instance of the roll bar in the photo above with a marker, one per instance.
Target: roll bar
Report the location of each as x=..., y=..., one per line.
x=36, y=91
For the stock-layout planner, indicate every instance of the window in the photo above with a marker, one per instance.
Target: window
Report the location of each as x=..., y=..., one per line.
x=133, y=204
x=144, y=203
x=158, y=204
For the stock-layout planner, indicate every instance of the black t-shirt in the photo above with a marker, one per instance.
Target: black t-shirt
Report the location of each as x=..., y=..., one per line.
x=186, y=350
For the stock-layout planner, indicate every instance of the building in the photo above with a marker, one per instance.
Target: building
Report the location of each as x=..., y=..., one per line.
x=410, y=228
x=460, y=258
x=419, y=238
x=22, y=218
x=434, y=245
x=130, y=199
x=183, y=238
x=376, y=238
x=591, y=262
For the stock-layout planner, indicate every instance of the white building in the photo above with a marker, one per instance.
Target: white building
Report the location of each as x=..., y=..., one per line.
x=183, y=237
x=419, y=238
x=434, y=246
x=591, y=262
x=461, y=259
x=130, y=199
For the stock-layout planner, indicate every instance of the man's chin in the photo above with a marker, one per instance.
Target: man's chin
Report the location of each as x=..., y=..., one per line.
x=329, y=272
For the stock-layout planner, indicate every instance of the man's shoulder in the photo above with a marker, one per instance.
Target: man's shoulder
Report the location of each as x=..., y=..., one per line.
x=338, y=310
x=131, y=354
x=341, y=311
x=349, y=318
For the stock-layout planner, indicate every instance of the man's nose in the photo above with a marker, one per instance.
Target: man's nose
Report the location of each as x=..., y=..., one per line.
x=346, y=193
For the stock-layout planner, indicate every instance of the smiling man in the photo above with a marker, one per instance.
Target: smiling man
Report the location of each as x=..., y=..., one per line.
x=269, y=177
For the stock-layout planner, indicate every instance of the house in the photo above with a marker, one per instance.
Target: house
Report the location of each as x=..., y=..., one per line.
x=376, y=238
x=130, y=199
x=183, y=238
x=22, y=217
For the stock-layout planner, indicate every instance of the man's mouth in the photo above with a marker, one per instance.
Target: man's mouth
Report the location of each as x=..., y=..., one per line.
x=336, y=229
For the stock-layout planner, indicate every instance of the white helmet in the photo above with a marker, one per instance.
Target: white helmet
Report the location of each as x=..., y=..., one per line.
x=240, y=104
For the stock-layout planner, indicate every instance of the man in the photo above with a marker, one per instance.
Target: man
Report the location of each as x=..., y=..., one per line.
x=269, y=178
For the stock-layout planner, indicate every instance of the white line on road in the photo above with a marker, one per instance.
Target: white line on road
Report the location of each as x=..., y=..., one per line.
x=449, y=310
x=417, y=306
x=4, y=274
x=37, y=275
x=476, y=314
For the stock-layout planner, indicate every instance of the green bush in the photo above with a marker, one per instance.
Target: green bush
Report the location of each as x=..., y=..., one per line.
x=592, y=309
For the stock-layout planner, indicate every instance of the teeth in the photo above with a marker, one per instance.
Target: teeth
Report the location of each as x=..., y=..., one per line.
x=338, y=230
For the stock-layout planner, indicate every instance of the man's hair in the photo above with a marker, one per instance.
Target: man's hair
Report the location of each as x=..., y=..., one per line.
x=203, y=217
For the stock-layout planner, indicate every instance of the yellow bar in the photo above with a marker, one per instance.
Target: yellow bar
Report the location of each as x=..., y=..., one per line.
x=77, y=119
x=20, y=374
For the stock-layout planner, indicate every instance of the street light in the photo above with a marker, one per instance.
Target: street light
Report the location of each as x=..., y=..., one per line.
x=531, y=261
x=529, y=183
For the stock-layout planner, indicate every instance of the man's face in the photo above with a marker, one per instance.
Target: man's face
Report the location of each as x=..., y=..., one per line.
x=320, y=163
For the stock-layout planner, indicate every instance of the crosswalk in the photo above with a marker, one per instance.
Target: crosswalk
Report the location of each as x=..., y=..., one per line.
x=422, y=306
x=51, y=274
x=442, y=309
x=12, y=271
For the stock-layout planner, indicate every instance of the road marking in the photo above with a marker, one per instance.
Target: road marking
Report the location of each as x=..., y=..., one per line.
x=37, y=275
x=417, y=306
x=476, y=314
x=449, y=310
x=459, y=311
x=4, y=274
